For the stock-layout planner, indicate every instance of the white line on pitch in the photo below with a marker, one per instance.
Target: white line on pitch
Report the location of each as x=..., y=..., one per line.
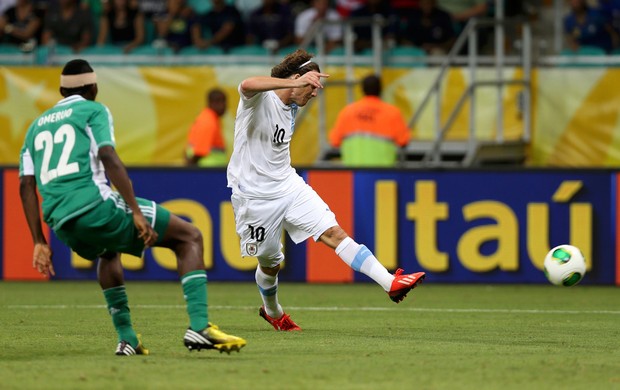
x=334, y=308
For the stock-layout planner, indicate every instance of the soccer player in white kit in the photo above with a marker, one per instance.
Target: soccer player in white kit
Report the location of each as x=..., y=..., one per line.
x=268, y=195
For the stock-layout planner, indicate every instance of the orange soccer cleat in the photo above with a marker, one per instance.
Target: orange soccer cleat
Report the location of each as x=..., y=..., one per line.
x=283, y=323
x=402, y=284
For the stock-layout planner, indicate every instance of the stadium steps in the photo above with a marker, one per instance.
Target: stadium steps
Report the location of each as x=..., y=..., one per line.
x=453, y=154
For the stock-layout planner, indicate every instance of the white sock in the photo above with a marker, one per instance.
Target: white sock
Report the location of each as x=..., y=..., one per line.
x=362, y=260
x=268, y=288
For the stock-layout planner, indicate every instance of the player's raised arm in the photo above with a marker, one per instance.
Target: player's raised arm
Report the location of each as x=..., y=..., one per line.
x=253, y=85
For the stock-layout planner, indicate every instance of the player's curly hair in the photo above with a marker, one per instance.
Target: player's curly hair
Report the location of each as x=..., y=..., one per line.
x=292, y=64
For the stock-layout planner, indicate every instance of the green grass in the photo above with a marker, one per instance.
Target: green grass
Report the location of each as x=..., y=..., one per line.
x=59, y=336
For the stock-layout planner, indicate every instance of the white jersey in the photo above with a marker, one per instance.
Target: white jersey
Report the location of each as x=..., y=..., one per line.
x=260, y=165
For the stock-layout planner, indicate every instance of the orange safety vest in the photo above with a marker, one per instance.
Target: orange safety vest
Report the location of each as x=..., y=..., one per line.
x=205, y=140
x=368, y=133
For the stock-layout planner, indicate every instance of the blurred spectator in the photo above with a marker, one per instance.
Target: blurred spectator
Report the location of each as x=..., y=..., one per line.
x=463, y=10
x=205, y=142
x=430, y=28
x=6, y=4
x=19, y=24
x=345, y=7
x=225, y=25
x=121, y=23
x=369, y=131
x=271, y=25
x=404, y=6
x=319, y=11
x=94, y=6
x=179, y=26
x=68, y=24
x=200, y=6
x=245, y=7
x=153, y=8
x=363, y=33
x=611, y=11
x=585, y=26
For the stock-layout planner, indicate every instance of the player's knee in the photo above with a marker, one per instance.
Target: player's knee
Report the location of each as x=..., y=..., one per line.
x=271, y=262
x=194, y=235
x=335, y=233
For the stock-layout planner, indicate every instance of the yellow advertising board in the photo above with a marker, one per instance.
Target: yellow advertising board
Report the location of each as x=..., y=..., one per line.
x=574, y=111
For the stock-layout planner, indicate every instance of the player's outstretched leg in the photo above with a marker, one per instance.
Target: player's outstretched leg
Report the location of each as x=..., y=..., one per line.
x=362, y=260
x=111, y=280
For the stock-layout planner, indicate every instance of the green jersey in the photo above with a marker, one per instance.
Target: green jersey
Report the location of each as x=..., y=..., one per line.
x=61, y=151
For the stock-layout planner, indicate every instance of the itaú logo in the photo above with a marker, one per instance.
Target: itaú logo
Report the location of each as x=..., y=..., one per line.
x=481, y=222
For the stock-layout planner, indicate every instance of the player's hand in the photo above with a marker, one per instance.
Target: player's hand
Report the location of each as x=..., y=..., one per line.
x=145, y=231
x=42, y=259
x=312, y=78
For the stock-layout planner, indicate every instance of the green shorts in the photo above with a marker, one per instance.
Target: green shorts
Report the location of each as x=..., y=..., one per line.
x=109, y=227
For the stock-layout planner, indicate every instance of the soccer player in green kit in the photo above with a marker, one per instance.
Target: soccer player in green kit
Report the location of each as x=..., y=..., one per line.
x=67, y=152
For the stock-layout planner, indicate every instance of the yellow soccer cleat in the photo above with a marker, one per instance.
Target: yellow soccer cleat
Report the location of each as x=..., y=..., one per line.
x=125, y=349
x=212, y=337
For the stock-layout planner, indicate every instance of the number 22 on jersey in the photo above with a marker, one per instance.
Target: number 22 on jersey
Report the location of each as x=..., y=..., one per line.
x=63, y=138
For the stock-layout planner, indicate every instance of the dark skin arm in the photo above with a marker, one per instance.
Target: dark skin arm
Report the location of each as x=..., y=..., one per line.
x=117, y=174
x=42, y=255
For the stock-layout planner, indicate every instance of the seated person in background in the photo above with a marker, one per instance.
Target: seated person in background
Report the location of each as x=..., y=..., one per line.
x=611, y=10
x=6, y=4
x=271, y=25
x=585, y=26
x=152, y=8
x=121, y=23
x=463, y=10
x=205, y=142
x=363, y=33
x=369, y=131
x=430, y=28
x=179, y=26
x=225, y=26
x=345, y=7
x=19, y=24
x=68, y=24
x=320, y=10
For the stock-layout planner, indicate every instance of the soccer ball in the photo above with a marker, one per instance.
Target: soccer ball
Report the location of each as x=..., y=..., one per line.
x=565, y=265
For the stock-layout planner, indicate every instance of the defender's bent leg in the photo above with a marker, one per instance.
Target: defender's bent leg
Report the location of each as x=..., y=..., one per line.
x=111, y=280
x=186, y=242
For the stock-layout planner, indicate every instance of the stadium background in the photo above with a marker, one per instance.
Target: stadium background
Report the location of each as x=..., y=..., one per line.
x=484, y=226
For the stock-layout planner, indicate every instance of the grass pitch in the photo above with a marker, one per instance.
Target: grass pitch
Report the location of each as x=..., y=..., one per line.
x=58, y=335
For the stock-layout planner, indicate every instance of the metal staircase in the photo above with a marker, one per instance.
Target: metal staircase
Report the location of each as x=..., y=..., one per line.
x=475, y=151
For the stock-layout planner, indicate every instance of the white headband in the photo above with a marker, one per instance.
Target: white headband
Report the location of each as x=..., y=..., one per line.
x=78, y=80
x=304, y=64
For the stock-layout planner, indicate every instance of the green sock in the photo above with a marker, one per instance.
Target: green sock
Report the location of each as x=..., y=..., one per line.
x=116, y=297
x=195, y=291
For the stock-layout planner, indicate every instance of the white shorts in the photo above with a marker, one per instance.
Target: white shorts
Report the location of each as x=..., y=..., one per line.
x=259, y=222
